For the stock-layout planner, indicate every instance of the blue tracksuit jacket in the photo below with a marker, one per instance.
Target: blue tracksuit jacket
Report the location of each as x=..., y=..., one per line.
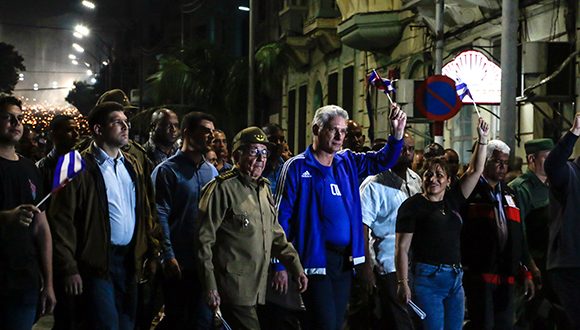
x=299, y=200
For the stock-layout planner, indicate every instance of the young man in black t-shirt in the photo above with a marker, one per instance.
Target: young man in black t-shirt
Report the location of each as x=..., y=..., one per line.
x=25, y=240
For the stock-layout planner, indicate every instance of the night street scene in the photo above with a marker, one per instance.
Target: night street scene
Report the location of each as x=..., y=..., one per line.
x=289, y=164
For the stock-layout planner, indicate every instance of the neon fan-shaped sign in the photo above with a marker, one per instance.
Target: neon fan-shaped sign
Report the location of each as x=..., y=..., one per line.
x=482, y=76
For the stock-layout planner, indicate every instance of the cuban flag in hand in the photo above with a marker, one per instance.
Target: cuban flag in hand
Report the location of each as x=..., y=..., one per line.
x=380, y=83
x=462, y=89
x=69, y=165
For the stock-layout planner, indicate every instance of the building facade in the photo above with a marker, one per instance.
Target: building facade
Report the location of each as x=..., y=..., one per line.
x=334, y=45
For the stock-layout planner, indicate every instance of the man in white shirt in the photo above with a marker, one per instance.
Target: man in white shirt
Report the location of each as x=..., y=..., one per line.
x=381, y=196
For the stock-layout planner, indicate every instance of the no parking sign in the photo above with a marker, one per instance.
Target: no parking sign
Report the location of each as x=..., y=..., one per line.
x=437, y=98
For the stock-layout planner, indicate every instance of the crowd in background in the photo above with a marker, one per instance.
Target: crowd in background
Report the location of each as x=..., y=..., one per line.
x=192, y=230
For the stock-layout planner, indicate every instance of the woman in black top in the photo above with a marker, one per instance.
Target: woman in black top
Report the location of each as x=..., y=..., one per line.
x=429, y=225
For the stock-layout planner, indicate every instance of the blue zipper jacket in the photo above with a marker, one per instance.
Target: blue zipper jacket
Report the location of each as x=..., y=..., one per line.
x=299, y=200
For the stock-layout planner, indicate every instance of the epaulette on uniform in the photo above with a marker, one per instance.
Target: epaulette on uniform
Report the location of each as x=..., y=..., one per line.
x=227, y=175
x=265, y=180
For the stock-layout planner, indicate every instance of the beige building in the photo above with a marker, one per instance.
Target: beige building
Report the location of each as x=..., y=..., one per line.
x=334, y=45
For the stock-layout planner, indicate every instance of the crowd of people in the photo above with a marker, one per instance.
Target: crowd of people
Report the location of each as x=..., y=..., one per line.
x=184, y=232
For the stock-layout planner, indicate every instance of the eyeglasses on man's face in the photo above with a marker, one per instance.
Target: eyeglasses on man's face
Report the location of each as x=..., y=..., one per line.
x=254, y=152
x=499, y=162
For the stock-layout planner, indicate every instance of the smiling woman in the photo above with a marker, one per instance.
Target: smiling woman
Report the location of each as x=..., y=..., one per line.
x=429, y=224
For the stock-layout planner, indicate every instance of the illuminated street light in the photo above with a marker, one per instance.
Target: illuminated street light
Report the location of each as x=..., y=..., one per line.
x=89, y=72
x=88, y=4
x=244, y=8
x=78, y=48
x=93, y=80
x=83, y=30
x=21, y=76
x=105, y=63
x=54, y=84
x=77, y=35
x=87, y=65
x=72, y=56
x=75, y=62
x=35, y=86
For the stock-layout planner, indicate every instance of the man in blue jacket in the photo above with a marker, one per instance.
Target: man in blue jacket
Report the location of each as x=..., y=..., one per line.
x=319, y=207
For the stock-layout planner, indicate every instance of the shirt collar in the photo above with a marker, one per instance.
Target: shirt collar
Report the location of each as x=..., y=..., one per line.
x=101, y=156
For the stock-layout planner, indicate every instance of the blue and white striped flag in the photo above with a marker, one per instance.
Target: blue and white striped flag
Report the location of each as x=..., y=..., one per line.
x=462, y=89
x=68, y=166
x=380, y=83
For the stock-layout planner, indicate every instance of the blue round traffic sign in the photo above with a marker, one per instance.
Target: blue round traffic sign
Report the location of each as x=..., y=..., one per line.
x=437, y=98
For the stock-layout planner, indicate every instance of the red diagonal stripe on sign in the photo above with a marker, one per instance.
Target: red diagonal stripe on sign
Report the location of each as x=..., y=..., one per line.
x=440, y=99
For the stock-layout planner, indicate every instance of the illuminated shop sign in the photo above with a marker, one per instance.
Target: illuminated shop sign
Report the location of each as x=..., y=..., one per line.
x=482, y=76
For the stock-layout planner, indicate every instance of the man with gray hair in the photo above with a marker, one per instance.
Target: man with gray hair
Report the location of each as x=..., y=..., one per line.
x=319, y=207
x=493, y=247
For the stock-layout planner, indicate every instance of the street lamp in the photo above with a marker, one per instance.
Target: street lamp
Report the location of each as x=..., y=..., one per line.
x=88, y=4
x=251, y=33
x=82, y=29
x=78, y=48
x=72, y=56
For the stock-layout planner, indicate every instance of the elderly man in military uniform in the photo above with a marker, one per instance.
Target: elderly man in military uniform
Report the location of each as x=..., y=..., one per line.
x=532, y=193
x=238, y=233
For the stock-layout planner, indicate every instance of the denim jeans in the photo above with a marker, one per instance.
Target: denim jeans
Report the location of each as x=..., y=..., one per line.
x=112, y=303
x=18, y=313
x=439, y=293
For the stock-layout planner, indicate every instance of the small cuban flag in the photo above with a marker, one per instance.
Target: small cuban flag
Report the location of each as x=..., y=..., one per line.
x=462, y=89
x=68, y=166
x=380, y=83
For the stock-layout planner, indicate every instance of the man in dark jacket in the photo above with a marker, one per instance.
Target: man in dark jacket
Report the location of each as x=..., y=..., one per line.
x=563, y=247
x=493, y=246
x=103, y=226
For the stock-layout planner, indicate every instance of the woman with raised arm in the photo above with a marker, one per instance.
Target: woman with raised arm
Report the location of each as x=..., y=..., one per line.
x=429, y=225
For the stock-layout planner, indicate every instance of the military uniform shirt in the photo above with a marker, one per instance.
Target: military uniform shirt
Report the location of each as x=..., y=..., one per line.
x=238, y=233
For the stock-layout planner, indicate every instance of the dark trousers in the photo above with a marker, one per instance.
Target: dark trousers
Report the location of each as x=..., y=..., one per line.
x=185, y=307
x=277, y=317
x=327, y=296
x=64, y=310
x=566, y=284
x=490, y=306
x=18, y=312
x=150, y=298
x=394, y=315
x=241, y=317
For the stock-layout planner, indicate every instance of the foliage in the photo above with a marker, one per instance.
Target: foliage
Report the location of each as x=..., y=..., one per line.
x=11, y=64
x=83, y=96
x=202, y=77
x=271, y=64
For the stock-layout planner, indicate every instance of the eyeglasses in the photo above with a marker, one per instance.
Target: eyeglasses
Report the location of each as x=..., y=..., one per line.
x=121, y=123
x=13, y=118
x=254, y=152
x=499, y=162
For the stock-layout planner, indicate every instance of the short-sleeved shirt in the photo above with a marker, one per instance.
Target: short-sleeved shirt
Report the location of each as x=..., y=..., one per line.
x=436, y=227
x=20, y=183
x=381, y=196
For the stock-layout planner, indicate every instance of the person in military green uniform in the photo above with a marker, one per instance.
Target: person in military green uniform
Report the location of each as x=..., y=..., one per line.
x=532, y=193
x=239, y=232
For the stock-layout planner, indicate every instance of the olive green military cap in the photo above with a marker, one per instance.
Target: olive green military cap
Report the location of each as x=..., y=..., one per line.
x=536, y=145
x=250, y=135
